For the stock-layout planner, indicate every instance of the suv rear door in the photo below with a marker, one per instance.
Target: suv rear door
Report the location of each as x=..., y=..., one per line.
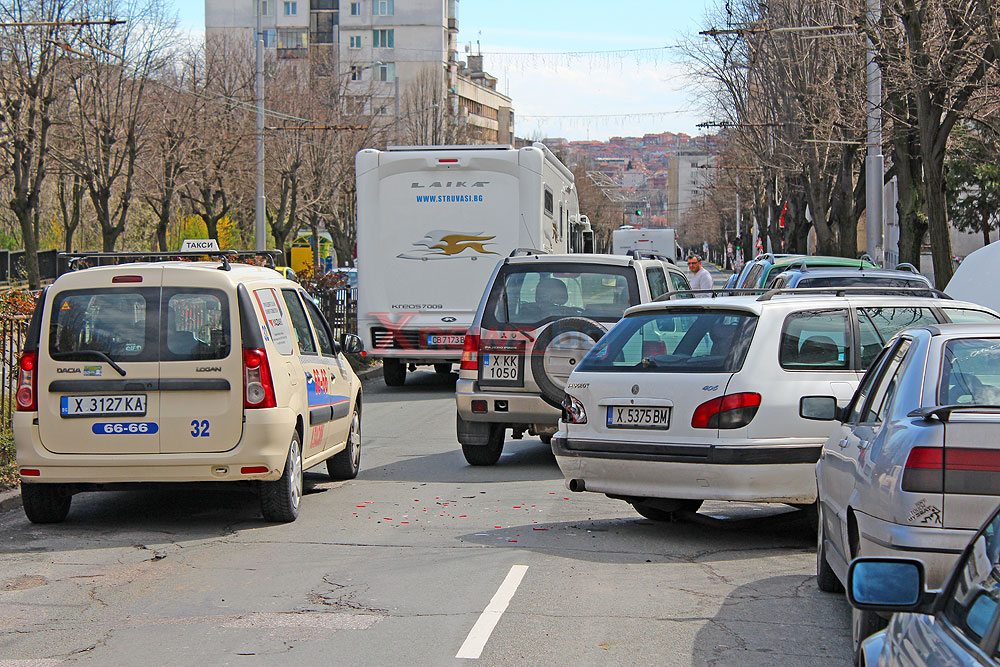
x=98, y=364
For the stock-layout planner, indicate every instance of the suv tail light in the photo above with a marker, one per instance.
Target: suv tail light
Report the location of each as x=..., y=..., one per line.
x=729, y=411
x=258, y=389
x=470, y=350
x=27, y=382
x=952, y=470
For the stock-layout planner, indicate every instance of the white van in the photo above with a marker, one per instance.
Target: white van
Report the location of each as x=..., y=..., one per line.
x=175, y=371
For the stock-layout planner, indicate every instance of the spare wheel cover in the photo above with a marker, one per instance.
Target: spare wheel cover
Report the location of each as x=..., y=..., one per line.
x=557, y=351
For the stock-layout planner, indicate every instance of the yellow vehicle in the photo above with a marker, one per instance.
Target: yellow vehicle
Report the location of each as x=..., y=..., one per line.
x=172, y=371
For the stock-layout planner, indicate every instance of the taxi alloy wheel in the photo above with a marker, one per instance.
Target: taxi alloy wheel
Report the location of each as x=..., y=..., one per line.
x=280, y=499
x=346, y=463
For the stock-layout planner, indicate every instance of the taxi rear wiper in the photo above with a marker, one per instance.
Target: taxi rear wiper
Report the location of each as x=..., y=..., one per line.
x=103, y=356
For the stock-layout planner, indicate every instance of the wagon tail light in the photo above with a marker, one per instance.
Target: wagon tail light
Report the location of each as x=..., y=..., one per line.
x=729, y=411
x=27, y=382
x=258, y=389
x=573, y=411
x=952, y=470
x=470, y=350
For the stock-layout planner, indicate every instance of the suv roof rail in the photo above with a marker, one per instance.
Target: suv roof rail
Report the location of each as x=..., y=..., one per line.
x=713, y=293
x=637, y=253
x=906, y=266
x=517, y=252
x=74, y=259
x=854, y=290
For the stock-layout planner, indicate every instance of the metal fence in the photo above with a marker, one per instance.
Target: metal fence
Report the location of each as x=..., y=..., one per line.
x=340, y=306
x=12, y=330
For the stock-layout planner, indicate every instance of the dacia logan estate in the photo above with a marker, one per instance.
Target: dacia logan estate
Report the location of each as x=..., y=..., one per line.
x=176, y=371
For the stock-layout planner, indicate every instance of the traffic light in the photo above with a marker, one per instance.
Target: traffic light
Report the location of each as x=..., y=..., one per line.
x=638, y=212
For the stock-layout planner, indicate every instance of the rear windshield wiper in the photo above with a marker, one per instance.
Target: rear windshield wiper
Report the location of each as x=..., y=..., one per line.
x=94, y=354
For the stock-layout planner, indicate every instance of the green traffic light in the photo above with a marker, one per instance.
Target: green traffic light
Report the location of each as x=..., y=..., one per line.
x=638, y=212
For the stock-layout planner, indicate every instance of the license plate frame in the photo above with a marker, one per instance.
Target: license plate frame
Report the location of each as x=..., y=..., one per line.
x=651, y=425
x=103, y=405
x=502, y=355
x=454, y=341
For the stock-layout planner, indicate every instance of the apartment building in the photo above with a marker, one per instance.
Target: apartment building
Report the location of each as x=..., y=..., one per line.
x=385, y=49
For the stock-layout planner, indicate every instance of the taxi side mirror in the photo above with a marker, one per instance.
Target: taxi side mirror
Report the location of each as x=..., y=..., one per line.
x=351, y=344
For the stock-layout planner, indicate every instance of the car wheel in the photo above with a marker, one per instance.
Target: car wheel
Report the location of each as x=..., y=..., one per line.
x=664, y=509
x=394, y=372
x=280, y=499
x=488, y=454
x=46, y=503
x=442, y=369
x=546, y=438
x=826, y=579
x=556, y=352
x=347, y=463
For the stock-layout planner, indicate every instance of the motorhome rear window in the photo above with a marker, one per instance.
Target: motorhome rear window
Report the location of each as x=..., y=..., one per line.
x=535, y=294
x=125, y=324
x=675, y=341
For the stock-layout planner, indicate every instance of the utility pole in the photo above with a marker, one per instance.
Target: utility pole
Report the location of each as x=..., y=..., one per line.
x=259, y=95
x=874, y=161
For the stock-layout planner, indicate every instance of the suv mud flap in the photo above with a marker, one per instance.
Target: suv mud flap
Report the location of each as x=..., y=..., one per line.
x=472, y=433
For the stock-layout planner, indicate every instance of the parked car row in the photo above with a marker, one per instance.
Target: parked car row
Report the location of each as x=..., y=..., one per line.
x=858, y=394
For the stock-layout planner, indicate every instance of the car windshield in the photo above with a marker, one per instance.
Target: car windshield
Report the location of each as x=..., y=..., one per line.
x=531, y=295
x=970, y=372
x=676, y=341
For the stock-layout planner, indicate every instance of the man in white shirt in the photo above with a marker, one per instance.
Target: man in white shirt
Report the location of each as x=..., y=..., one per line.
x=700, y=277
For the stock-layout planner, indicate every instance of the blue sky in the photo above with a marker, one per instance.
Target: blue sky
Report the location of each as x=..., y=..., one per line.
x=622, y=91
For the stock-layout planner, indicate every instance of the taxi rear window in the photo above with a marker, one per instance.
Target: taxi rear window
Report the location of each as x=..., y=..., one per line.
x=144, y=324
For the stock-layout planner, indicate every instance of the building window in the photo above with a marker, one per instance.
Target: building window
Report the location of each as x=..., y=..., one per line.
x=385, y=72
x=356, y=72
x=266, y=7
x=355, y=9
x=382, y=8
x=355, y=41
x=383, y=39
x=293, y=39
x=291, y=8
x=269, y=37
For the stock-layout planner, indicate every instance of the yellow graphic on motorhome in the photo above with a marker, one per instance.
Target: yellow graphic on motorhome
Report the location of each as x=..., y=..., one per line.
x=447, y=244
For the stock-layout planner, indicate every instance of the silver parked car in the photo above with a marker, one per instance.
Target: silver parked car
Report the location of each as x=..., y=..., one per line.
x=912, y=470
x=957, y=626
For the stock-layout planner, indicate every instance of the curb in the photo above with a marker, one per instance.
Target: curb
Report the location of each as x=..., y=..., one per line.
x=9, y=499
x=369, y=373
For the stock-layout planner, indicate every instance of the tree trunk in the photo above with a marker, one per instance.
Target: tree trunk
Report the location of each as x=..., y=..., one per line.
x=937, y=220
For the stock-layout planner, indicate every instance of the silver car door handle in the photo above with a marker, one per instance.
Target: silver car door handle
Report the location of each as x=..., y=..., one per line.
x=862, y=444
x=843, y=443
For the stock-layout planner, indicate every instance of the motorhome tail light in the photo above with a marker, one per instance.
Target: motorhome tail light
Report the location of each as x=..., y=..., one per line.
x=470, y=350
x=258, y=389
x=729, y=411
x=952, y=470
x=27, y=382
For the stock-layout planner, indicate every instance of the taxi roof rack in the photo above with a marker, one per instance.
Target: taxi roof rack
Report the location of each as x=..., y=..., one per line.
x=74, y=259
x=712, y=293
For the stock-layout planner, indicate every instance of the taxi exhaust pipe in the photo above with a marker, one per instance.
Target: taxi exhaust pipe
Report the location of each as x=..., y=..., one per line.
x=577, y=485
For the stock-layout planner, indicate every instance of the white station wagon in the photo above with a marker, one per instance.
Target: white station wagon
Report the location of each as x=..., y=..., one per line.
x=684, y=401
x=171, y=371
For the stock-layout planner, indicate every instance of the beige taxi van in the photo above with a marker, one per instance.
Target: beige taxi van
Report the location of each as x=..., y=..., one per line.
x=159, y=370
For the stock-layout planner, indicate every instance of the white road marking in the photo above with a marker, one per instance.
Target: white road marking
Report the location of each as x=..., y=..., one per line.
x=481, y=631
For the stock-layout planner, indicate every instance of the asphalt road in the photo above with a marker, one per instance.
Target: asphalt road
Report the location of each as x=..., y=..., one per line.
x=398, y=566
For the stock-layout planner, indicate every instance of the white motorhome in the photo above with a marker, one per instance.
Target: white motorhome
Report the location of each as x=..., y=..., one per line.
x=625, y=239
x=433, y=221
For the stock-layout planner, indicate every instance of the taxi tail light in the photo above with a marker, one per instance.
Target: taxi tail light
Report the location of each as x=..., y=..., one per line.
x=27, y=382
x=258, y=389
x=470, y=350
x=729, y=411
x=952, y=470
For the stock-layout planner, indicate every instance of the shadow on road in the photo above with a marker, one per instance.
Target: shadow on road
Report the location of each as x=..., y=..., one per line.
x=777, y=621
x=420, y=386
x=522, y=461
x=714, y=534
